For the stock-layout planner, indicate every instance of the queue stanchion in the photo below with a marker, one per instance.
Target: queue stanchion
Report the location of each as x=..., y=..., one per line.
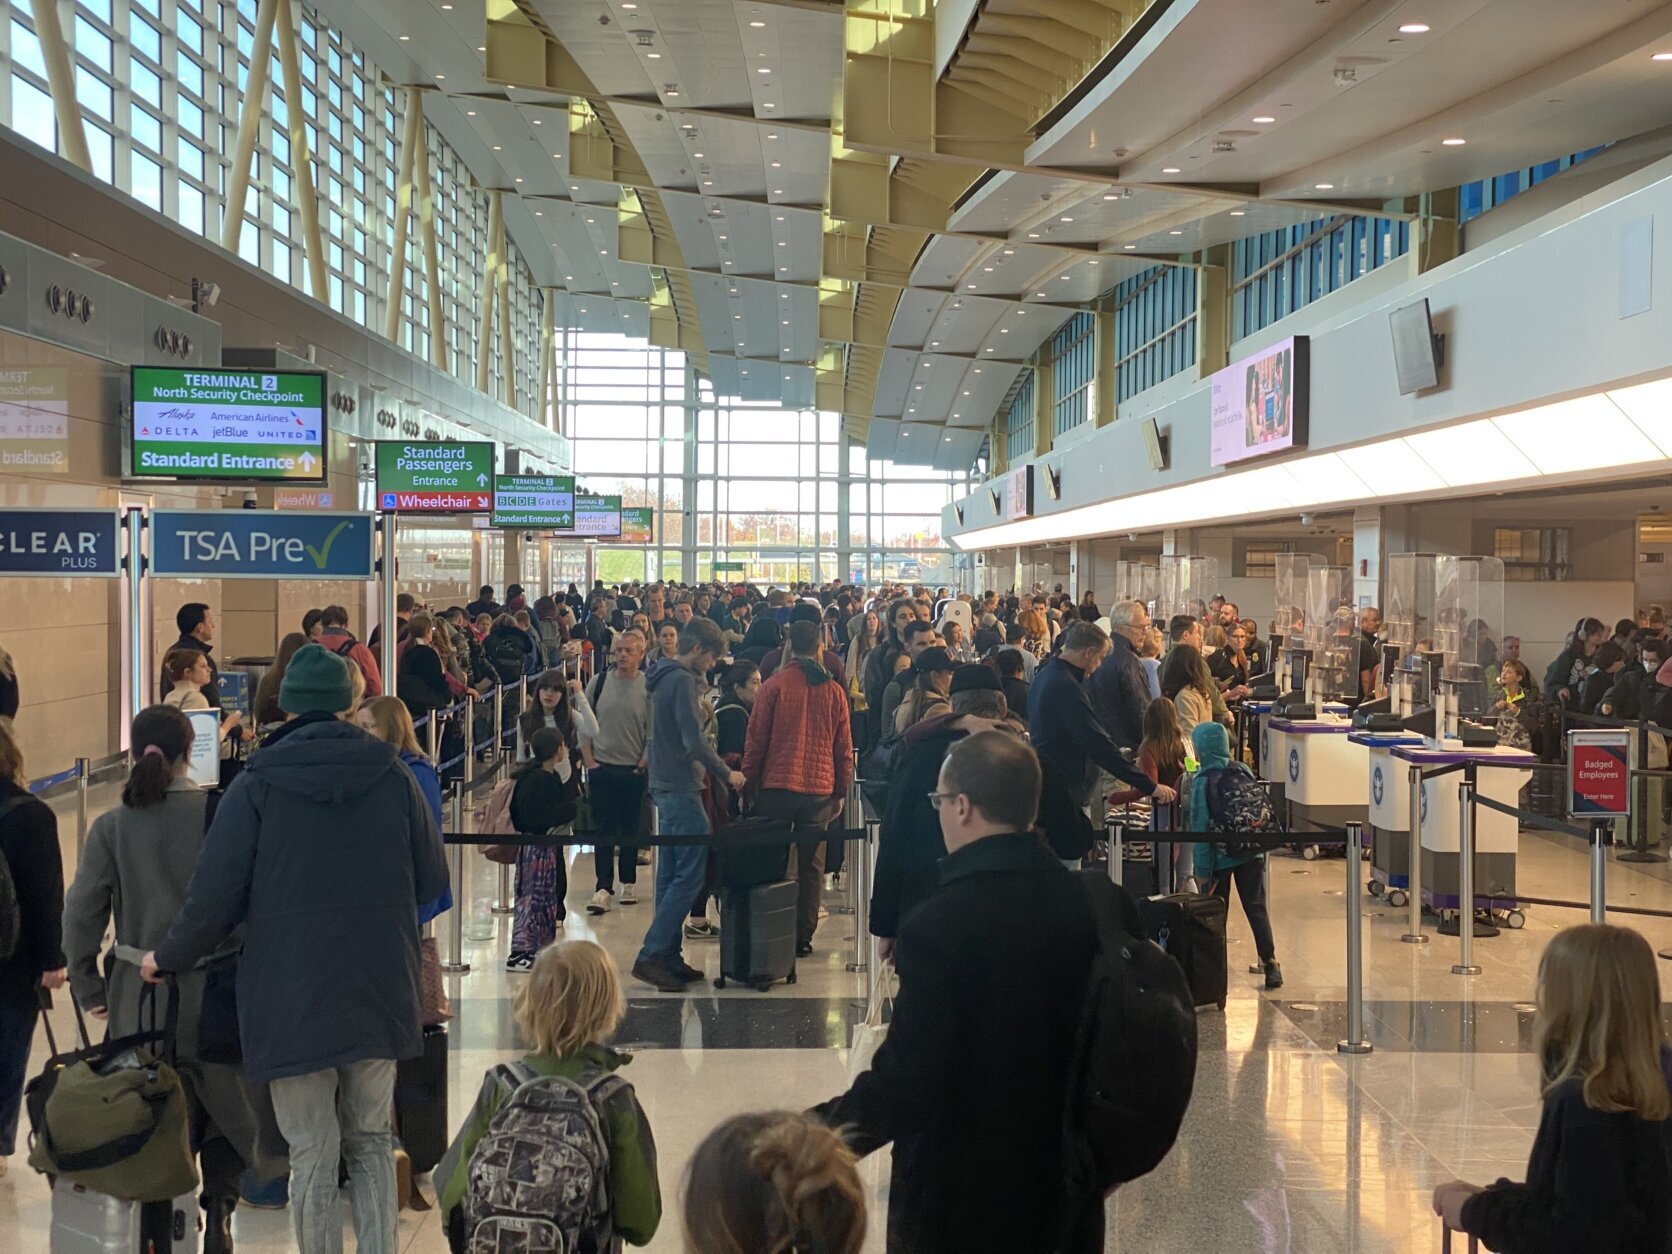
x=498, y=720
x=1117, y=856
x=83, y=768
x=861, y=879
x=1413, y=880
x=469, y=743
x=455, y=964
x=1355, y=1042
x=1601, y=834
x=1465, y=964
x=853, y=807
x=432, y=738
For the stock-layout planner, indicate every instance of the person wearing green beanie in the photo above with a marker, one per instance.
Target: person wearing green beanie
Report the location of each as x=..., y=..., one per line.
x=1218, y=864
x=316, y=682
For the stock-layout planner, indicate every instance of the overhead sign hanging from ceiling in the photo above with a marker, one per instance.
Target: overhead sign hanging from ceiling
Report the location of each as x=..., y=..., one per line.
x=437, y=477
x=597, y=517
x=210, y=422
x=638, y=525
x=1261, y=404
x=59, y=542
x=534, y=501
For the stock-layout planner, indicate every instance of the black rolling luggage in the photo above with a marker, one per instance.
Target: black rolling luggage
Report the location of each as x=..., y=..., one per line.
x=1191, y=928
x=421, y=1101
x=757, y=935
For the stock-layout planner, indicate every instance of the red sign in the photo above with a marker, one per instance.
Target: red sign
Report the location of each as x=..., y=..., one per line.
x=438, y=502
x=1599, y=774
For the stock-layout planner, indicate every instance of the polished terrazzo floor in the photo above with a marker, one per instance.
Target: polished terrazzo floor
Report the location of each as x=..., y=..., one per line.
x=1288, y=1146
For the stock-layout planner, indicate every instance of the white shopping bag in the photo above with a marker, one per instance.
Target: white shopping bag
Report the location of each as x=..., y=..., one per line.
x=868, y=1036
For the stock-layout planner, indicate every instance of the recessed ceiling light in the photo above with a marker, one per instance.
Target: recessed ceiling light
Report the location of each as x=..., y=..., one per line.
x=708, y=182
x=783, y=295
x=1008, y=252
x=1323, y=187
x=1239, y=213
x=772, y=135
x=496, y=147
x=1091, y=263
x=697, y=155
x=786, y=322
x=1129, y=247
x=406, y=38
x=470, y=113
x=539, y=213
x=590, y=221
x=1414, y=28
x=783, y=243
x=776, y=164
x=671, y=92
x=987, y=269
x=783, y=269
x=757, y=24
x=446, y=8
x=779, y=218
x=1175, y=232
x=934, y=343
x=1454, y=142
x=1111, y=196
x=1063, y=277
x=1040, y=295
x=481, y=48
x=777, y=191
x=1004, y=330
x=1659, y=56
x=978, y=370
x=1033, y=234
x=629, y=5
x=767, y=104
x=519, y=180
x=654, y=56
x=1065, y=219
x=537, y=122
x=1264, y=121
x=603, y=252
x=439, y=77
x=762, y=69
x=970, y=286
x=1169, y=169
x=568, y=278
x=989, y=350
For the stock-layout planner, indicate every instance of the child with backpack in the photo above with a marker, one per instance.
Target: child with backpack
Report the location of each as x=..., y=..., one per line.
x=557, y=1153
x=1224, y=796
x=773, y=1182
x=545, y=797
x=1600, y=1175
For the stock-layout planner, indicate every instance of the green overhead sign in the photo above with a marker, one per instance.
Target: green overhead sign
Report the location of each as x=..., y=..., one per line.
x=435, y=476
x=534, y=501
x=211, y=422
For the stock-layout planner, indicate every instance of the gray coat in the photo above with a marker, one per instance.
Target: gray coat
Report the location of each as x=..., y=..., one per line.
x=323, y=849
x=134, y=873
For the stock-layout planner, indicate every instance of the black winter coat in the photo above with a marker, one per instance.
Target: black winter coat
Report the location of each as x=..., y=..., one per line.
x=909, y=843
x=29, y=844
x=323, y=848
x=970, y=1081
x=419, y=681
x=1070, y=739
x=1119, y=693
x=1596, y=1182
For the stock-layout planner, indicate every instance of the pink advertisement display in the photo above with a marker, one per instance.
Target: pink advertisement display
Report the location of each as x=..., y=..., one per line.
x=1260, y=403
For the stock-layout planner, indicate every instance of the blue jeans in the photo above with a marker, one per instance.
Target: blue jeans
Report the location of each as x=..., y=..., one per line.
x=679, y=873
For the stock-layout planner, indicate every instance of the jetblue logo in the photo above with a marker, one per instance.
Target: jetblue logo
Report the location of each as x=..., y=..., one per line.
x=1377, y=788
x=1294, y=765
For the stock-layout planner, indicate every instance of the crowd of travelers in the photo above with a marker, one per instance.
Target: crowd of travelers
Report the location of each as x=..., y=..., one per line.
x=284, y=911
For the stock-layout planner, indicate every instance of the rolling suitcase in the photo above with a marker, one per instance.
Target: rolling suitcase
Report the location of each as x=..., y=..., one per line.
x=757, y=935
x=1191, y=928
x=85, y=1222
x=421, y=1101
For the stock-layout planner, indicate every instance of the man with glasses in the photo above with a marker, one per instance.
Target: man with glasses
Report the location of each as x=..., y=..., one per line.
x=1118, y=688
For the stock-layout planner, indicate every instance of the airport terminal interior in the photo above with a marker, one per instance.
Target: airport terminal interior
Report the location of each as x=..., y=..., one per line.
x=1304, y=307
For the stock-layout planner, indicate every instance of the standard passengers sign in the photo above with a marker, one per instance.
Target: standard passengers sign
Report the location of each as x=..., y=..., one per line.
x=438, y=476
x=215, y=423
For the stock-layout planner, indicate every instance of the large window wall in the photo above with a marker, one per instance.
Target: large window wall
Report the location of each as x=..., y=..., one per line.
x=736, y=482
x=160, y=84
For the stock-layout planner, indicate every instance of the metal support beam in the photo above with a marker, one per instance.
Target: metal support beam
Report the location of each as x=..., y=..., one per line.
x=490, y=275
x=548, y=331
x=1436, y=237
x=1106, y=382
x=426, y=222
x=301, y=160
x=60, y=77
x=507, y=341
x=1213, y=311
x=251, y=110
x=412, y=132
x=1044, y=405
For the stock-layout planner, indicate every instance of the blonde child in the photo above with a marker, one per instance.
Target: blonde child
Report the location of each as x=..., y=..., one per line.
x=773, y=1183
x=1599, y=1178
x=491, y=1189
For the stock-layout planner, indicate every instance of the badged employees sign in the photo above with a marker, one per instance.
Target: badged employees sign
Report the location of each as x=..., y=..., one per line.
x=1260, y=405
x=260, y=544
x=205, y=423
x=443, y=476
x=1599, y=779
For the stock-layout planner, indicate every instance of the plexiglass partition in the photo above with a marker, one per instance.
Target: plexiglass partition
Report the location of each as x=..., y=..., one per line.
x=1408, y=616
x=1186, y=584
x=1331, y=633
x=1469, y=615
x=1137, y=581
x=1289, y=588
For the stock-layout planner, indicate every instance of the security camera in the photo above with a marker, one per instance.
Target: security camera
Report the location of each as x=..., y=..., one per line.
x=1306, y=520
x=211, y=294
x=250, y=501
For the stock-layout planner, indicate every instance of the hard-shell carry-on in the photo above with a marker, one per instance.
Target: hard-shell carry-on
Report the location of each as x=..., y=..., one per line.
x=85, y=1222
x=1191, y=928
x=421, y=1101
x=757, y=935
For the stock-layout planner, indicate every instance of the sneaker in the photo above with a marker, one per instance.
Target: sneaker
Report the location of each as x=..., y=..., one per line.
x=657, y=976
x=804, y=951
x=601, y=902
x=687, y=972
x=264, y=1195
x=520, y=962
x=1274, y=975
x=701, y=929
x=628, y=896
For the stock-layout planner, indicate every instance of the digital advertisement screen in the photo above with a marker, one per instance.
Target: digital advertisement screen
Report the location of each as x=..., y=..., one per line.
x=436, y=476
x=597, y=516
x=1260, y=404
x=535, y=501
x=638, y=525
x=206, y=422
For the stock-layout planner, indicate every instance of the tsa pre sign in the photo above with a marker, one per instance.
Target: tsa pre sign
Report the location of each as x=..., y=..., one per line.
x=1599, y=775
x=260, y=544
x=59, y=542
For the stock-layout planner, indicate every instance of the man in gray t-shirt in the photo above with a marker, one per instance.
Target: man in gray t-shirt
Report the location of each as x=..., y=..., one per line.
x=616, y=760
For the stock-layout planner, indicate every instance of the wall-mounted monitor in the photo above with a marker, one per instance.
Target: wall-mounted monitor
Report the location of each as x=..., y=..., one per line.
x=1416, y=361
x=1018, y=493
x=536, y=502
x=223, y=424
x=1260, y=405
x=1155, y=444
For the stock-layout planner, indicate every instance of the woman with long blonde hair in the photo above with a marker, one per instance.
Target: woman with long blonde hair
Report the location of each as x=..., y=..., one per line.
x=1600, y=1175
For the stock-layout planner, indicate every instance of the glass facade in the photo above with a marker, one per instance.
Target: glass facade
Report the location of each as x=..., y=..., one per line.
x=1073, y=371
x=735, y=482
x=1155, y=328
x=1278, y=272
x=160, y=84
x=1018, y=421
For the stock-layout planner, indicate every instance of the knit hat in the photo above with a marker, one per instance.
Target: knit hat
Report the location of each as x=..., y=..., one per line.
x=806, y=612
x=935, y=658
x=976, y=676
x=315, y=682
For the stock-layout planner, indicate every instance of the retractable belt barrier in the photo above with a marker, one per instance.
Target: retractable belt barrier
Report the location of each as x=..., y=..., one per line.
x=1353, y=836
x=720, y=841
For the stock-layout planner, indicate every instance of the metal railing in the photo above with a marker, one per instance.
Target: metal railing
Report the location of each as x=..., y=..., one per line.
x=80, y=778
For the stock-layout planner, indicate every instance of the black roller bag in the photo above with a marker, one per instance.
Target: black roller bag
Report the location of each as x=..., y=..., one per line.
x=1191, y=928
x=421, y=1101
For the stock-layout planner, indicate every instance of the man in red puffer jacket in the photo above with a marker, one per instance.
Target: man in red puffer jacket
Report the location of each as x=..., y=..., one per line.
x=799, y=756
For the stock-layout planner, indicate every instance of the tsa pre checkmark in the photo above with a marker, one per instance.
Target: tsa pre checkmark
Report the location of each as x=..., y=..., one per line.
x=323, y=552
